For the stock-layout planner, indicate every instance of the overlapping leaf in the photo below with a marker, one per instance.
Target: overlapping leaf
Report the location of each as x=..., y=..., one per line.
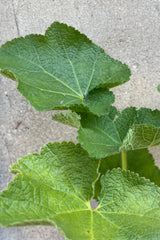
x=68, y=118
x=60, y=69
x=74, y=118
x=55, y=187
x=139, y=161
x=132, y=129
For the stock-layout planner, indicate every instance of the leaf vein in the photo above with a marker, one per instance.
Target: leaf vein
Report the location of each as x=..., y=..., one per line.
x=92, y=74
x=47, y=73
x=70, y=63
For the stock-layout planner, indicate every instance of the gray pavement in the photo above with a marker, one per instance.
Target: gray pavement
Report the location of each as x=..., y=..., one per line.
x=128, y=30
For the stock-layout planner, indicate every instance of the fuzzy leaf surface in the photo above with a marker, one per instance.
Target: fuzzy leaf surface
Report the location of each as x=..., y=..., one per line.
x=60, y=69
x=132, y=129
x=51, y=184
x=138, y=161
x=68, y=118
x=45, y=192
x=73, y=118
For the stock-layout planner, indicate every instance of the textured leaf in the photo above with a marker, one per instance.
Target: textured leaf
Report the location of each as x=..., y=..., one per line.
x=73, y=118
x=68, y=118
x=60, y=69
x=47, y=193
x=132, y=129
x=139, y=161
x=98, y=102
x=57, y=181
x=128, y=208
x=8, y=74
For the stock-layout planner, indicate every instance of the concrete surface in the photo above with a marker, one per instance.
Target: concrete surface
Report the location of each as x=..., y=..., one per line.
x=128, y=30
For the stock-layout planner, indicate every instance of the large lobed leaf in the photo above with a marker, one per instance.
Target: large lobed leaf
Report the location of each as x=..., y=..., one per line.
x=61, y=69
x=132, y=129
x=55, y=187
x=49, y=184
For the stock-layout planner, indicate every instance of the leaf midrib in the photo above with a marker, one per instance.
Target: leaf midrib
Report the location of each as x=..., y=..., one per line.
x=106, y=134
x=46, y=90
x=51, y=75
x=129, y=214
x=73, y=70
x=45, y=184
x=76, y=192
x=120, y=144
x=122, y=213
x=141, y=125
x=92, y=74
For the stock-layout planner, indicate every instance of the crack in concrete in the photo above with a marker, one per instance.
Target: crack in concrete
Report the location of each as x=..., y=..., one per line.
x=15, y=18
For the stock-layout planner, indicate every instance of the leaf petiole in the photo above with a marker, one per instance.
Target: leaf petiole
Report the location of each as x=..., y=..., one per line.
x=124, y=160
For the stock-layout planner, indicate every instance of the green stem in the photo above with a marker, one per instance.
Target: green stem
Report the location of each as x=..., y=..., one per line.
x=124, y=160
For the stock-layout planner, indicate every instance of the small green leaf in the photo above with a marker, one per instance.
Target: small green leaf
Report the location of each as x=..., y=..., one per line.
x=139, y=161
x=98, y=102
x=132, y=129
x=46, y=190
x=59, y=70
x=8, y=74
x=69, y=118
x=158, y=87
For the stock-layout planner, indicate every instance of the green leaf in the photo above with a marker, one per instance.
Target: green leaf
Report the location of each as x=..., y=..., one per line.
x=8, y=74
x=68, y=118
x=158, y=87
x=60, y=69
x=98, y=102
x=132, y=129
x=57, y=181
x=46, y=190
x=129, y=205
x=139, y=161
x=73, y=118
